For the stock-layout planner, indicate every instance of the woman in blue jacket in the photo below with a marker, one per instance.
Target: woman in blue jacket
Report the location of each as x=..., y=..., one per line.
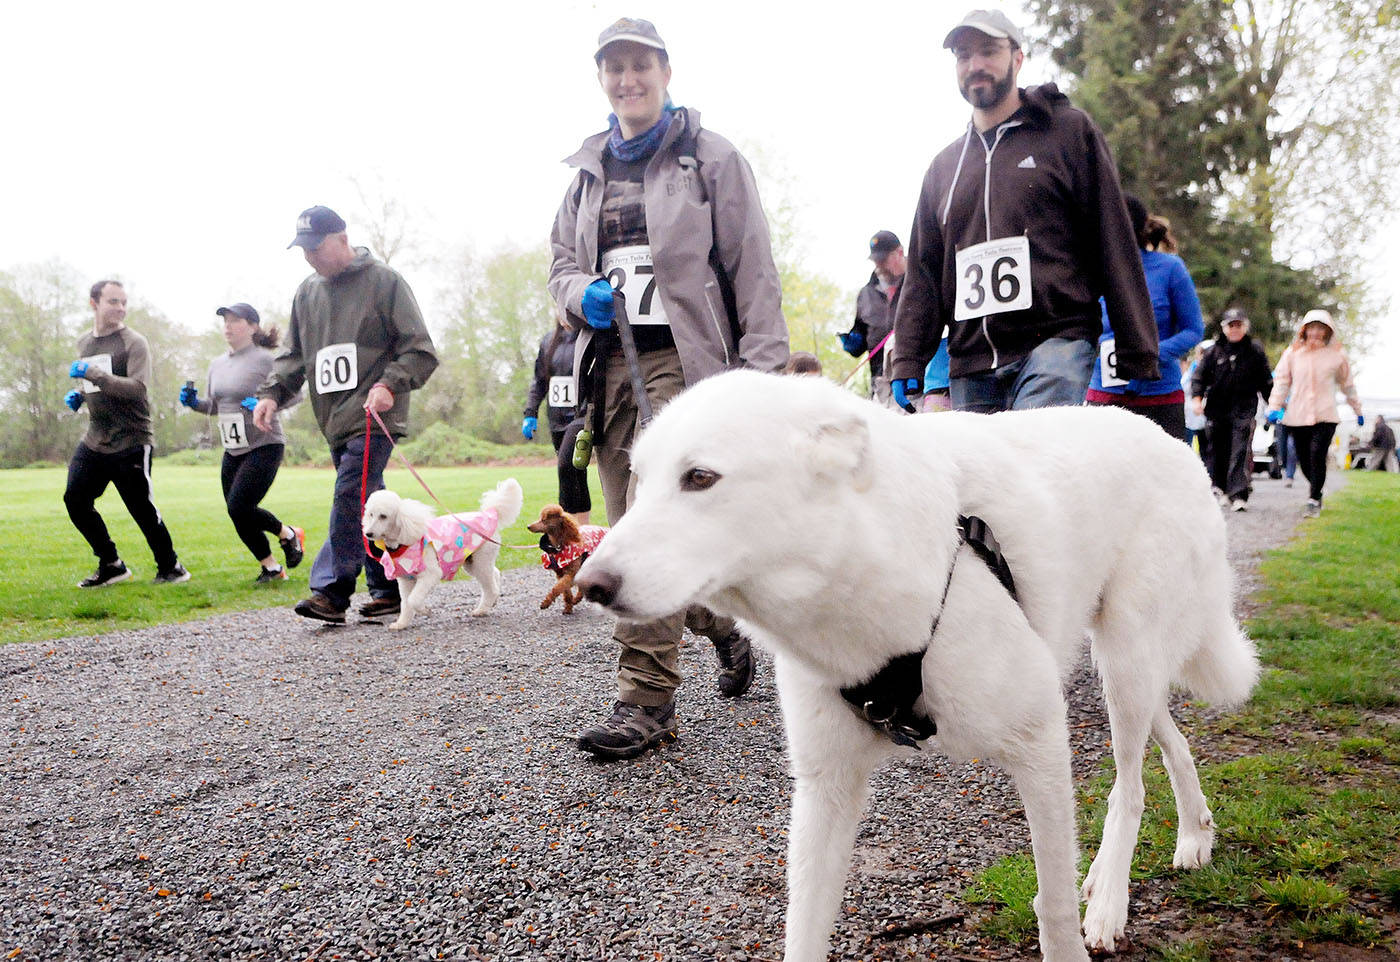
x=1179, y=328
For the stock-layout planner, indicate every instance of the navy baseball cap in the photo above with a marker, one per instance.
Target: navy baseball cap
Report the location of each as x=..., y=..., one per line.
x=242, y=310
x=883, y=244
x=313, y=225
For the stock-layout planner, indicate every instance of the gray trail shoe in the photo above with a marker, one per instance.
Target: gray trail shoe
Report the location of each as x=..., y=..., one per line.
x=736, y=664
x=630, y=730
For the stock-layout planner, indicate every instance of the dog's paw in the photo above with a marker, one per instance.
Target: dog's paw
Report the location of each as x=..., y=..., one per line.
x=1105, y=919
x=546, y=603
x=1193, y=846
x=399, y=625
x=480, y=610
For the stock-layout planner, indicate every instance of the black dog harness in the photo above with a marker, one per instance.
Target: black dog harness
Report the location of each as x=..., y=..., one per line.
x=886, y=700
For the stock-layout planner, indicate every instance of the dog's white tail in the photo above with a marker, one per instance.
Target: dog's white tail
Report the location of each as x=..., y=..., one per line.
x=507, y=499
x=1224, y=669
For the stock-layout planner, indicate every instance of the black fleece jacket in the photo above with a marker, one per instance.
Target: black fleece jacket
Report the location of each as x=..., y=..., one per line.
x=1049, y=175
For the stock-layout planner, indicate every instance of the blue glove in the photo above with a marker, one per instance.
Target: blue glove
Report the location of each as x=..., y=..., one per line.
x=905, y=389
x=528, y=428
x=189, y=397
x=1360, y=420
x=248, y=403
x=852, y=342
x=79, y=369
x=598, y=305
x=1274, y=417
x=74, y=399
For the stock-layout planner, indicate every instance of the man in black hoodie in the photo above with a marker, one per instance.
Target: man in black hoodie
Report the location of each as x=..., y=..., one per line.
x=1020, y=229
x=1229, y=383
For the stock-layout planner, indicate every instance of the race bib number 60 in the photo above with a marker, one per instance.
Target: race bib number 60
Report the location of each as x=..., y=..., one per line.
x=336, y=369
x=629, y=269
x=993, y=278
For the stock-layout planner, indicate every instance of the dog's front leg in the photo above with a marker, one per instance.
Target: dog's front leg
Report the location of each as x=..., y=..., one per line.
x=416, y=598
x=1044, y=780
x=833, y=755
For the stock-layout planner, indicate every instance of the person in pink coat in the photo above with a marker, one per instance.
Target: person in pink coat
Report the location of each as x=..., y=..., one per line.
x=1308, y=378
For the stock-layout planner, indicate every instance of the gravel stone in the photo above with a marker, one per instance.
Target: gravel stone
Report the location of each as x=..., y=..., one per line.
x=258, y=786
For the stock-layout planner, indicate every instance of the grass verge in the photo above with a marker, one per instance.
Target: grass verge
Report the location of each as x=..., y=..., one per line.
x=49, y=557
x=1304, y=781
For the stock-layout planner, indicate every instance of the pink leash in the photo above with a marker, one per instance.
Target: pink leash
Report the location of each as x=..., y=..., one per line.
x=393, y=445
x=865, y=358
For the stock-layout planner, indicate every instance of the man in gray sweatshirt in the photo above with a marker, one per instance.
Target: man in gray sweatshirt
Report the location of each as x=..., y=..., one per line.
x=357, y=337
x=113, y=373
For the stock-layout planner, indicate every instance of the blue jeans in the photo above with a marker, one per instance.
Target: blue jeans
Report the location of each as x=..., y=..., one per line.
x=1055, y=374
x=342, y=554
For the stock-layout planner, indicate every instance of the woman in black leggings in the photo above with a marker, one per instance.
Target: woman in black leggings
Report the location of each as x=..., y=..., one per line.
x=554, y=383
x=251, y=455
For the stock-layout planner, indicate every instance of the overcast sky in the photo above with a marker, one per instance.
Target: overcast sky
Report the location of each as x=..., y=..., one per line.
x=174, y=143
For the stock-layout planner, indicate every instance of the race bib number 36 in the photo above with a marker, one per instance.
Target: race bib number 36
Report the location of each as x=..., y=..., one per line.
x=629, y=269
x=336, y=369
x=561, y=391
x=233, y=431
x=993, y=278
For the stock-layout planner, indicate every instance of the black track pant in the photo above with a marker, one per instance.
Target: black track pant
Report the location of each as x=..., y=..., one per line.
x=247, y=477
x=89, y=473
x=1312, y=442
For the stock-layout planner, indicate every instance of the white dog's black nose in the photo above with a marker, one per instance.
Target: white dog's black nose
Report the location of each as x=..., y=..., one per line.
x=599, y=587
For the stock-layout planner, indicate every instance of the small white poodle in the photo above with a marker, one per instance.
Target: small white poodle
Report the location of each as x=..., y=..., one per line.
x=419, y=550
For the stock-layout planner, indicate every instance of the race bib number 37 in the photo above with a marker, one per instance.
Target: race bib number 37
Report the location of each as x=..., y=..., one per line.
x=993, y=278
x=629, y=269
x=336, y=369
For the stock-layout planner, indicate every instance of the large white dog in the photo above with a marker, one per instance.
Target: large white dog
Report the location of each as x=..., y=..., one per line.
x=779, y=500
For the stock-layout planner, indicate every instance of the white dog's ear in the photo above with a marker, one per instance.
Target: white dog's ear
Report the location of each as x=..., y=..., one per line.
x=840, y=449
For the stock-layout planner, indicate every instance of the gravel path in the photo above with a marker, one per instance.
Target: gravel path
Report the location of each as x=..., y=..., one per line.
x=254, y=786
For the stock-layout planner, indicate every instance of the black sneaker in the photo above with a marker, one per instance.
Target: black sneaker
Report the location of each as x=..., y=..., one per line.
x=631, y=730
x=293, y=548
x=320, y=609
x=269, y=575
x=380, y=607
x=173, y=576
x=106, y=574
x=736, y=664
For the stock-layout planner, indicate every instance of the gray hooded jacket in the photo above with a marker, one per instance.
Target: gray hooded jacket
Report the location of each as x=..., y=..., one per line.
x=707, y=232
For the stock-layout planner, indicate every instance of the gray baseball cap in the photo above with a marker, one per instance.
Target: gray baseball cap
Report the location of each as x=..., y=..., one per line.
x=630, y=29
x=993, y=23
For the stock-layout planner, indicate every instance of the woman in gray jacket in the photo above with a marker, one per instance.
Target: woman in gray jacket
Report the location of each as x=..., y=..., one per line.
x=668, y=213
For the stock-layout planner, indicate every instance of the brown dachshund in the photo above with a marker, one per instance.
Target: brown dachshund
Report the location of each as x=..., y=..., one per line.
x=565, y=545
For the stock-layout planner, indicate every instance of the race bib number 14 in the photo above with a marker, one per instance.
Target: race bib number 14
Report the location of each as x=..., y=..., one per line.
x=233, y=431
x=336, y=369
x=629, y=269
x=993, y=278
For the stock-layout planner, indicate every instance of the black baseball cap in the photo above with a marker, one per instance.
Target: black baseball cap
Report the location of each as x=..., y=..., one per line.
x=245, y=311
x=1234, y=315
x=883, y=244
x=313, y=225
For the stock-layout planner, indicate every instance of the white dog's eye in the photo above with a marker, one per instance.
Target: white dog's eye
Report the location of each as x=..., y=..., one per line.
x=699, y=479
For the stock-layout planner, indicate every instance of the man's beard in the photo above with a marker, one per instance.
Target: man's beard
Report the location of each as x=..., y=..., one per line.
x=985, y=98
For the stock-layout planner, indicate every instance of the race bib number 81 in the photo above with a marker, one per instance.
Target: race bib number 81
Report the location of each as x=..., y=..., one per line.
x=336, y=369
x=561, y=391
x=629, y=269
x=993, y=278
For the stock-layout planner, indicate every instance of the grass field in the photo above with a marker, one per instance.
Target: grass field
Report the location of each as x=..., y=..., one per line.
x=49, y=557
x=1304, y=781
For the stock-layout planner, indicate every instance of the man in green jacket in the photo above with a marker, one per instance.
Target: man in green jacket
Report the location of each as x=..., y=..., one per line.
x=357, y=336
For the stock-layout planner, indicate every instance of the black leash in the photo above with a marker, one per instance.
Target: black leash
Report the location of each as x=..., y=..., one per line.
x=887, y=698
